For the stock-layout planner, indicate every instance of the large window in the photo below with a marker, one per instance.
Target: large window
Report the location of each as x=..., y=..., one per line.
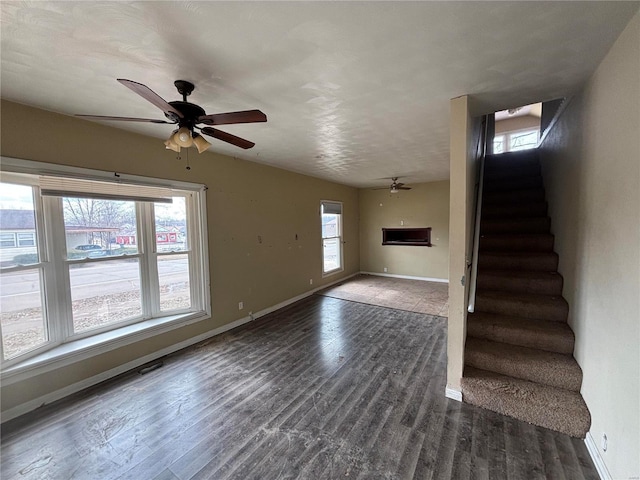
x=331, y=221
x=80, y=257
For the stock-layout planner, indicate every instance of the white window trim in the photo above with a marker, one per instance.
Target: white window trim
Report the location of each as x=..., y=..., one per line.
x=79, y=349
x=339, y=237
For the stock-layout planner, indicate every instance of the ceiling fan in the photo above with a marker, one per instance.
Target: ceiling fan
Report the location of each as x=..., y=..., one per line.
x=187, y=116
x=395, y=186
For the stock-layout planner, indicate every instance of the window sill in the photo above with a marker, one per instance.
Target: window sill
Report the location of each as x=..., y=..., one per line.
x=332, y=272
x=85, y=348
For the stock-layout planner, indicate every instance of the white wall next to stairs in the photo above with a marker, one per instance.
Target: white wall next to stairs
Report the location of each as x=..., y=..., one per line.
x=591, y=165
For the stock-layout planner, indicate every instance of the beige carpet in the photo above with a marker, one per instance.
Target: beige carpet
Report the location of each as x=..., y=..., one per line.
x=412, y=295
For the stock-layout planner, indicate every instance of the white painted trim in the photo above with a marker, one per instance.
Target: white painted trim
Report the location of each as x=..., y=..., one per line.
x=453, y=394
x=598, y=461
x=407, y=277
x=88, y=382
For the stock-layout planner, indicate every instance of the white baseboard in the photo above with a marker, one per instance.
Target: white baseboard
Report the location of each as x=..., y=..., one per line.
x=598, y=461
x=453, y=394
x=407, y=277
x=26, y=407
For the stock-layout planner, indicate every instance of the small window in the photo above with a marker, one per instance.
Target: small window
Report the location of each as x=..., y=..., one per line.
x=8, y=240
x=514, y=141
x=26, y=239
x=331, y=222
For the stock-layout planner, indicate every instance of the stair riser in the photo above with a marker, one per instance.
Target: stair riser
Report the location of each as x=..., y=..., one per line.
x=549, y=374
x=521, y=210
x=517, y=243
x=533, y=311
x=550, y=285
x=539, y=263
x=513, y=183
x=548, y=341
x=528, y=225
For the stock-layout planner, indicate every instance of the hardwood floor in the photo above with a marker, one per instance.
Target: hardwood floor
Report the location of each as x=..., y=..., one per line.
x=323, y=389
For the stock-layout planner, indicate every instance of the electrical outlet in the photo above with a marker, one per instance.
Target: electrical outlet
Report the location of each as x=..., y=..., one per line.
x=240, y=305
x=311, y=281
x=385, y=269
x=605, y=443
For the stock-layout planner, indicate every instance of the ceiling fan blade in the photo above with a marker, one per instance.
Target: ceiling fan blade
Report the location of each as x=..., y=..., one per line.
x=151, y=96
x=398, y=185
x=246, y=116
x=227, y=137
x=122, y=119
x=403, y=188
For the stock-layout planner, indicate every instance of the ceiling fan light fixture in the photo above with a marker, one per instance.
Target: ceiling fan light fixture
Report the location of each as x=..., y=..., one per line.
x=171, y=145
x=200, y=143
x=183, y=137
x=393, y=190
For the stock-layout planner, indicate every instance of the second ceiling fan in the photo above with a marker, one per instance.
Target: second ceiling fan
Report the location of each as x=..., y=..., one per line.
x=188, y=116
x=395, y=186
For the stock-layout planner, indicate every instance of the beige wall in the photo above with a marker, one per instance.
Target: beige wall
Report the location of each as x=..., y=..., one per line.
x=425, y=205
x=517, y=123
x=245, y=200
x=591, y=165
x=464, y=131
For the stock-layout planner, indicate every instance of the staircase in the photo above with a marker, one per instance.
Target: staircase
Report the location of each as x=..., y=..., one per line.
x=518, y=352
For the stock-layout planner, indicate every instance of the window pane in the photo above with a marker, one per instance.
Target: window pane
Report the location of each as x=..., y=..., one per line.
x=17, y=226
x=23, y=323
x=523, y=140
x=498, y=144
x=99, y=228
x=171, y=225
x=104, y=293
x=175, y=291
x=330, y=225
x=331, y=254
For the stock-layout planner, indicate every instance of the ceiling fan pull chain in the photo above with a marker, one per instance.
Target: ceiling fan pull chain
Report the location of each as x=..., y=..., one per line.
x=188, y=166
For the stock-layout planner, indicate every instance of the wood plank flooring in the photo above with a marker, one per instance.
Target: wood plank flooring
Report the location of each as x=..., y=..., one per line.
x=323, y=389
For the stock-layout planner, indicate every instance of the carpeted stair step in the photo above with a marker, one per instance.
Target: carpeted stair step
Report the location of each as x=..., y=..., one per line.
x=529, y=209
x=557, y=409
x=543, y=335
x=538, y=283
x=531, y=168
x=512, y=183
x=513, y=196
x=510, y=160
x=536, y=261
x=548, y=368
x=534, y=307
x=515, y=225
x=528, y=242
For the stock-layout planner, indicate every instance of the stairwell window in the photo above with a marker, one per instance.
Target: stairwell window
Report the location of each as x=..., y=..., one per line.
x=517, y=140
x=96, y=259
x=331, y=223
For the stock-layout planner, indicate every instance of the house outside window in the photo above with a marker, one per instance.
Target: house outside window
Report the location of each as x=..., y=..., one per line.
x=331, y=222
x=64, y=277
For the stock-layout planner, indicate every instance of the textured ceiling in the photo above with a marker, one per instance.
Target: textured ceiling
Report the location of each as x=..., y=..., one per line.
x=355, y=92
